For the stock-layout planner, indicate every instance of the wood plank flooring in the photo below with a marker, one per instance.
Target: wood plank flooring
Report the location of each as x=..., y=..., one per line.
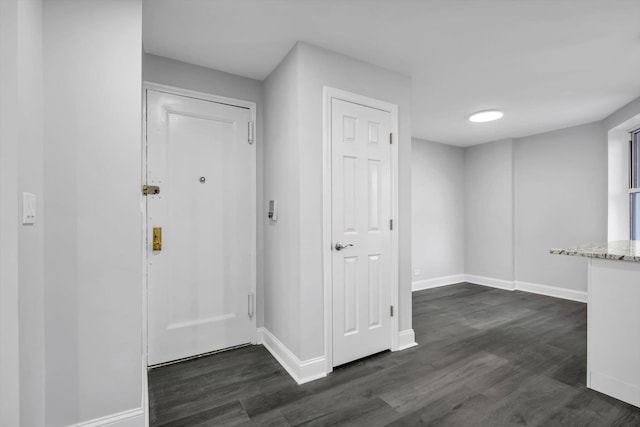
x=486, y=357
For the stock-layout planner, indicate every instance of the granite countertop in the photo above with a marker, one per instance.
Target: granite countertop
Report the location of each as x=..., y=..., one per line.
x=624, y=250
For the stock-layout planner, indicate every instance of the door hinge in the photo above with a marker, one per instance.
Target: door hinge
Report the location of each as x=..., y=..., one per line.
x=250, y=305
x=150, y=189
x=250, y=135
x=391, y=311
x=390, y=138
x=390, y=224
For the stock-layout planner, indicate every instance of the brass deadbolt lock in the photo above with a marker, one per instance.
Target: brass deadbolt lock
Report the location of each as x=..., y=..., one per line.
x=157, y=238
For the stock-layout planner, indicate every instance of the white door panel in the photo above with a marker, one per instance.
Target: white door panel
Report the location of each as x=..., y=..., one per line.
x=361, y=210
x=199, y=283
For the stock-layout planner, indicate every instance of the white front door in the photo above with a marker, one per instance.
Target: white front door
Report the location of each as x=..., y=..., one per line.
x=361, y=214
x=201, y=278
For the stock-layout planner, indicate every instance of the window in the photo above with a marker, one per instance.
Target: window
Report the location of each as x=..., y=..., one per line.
x=634, y=184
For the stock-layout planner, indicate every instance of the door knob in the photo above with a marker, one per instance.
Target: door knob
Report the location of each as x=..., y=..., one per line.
x=339, y=246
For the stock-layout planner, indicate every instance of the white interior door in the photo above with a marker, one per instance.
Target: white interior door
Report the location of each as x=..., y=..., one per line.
x=361, y=214
x=200, y=282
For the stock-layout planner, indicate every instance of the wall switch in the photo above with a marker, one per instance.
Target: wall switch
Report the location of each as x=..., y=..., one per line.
x=28, y=208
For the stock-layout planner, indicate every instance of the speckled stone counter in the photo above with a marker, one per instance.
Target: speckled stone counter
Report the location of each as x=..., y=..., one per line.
x=622, y=250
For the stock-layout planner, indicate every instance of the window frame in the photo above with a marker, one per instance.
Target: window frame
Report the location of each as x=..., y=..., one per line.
x=634, y=179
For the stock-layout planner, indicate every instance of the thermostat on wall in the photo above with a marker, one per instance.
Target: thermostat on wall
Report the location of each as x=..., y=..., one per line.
x=273, y=210
x=28, y=208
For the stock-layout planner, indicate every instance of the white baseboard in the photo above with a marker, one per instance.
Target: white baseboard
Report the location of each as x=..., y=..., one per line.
x=613, y=387
x=406, y=339
x=131, y=418
x=508, y=285
x=260, y=336
x=302, y=371
x=552, y=291
x=420, y=285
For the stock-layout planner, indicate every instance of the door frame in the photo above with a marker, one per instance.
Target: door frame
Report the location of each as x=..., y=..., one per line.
x=330, y=93
x=251, y=106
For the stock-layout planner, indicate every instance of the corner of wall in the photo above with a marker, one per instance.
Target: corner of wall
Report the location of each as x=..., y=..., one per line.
x=302, y=371
x=622, y=114
x=282, y=281
x=489, y=210
x=406, y=339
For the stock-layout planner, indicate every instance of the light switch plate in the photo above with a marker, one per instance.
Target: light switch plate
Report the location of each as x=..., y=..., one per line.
x=28, y=208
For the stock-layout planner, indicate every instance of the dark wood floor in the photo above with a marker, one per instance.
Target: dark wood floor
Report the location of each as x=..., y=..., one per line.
x=486, y=357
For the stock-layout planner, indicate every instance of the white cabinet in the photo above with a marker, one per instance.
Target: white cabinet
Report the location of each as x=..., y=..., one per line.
x=613, y=329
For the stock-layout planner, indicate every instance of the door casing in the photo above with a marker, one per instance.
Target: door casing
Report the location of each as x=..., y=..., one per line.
x=143, y=206
x=330, y=93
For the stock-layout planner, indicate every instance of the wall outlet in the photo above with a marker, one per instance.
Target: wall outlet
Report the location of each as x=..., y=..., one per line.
x=416, y=271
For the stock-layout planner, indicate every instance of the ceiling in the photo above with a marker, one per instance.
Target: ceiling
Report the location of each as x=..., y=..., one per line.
x=548, y=64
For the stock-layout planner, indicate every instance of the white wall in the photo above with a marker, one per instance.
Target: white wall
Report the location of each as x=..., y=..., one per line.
x=93, y=304
x=281, y=183
x=21, y=251
x=31, y=237
x=158, y=69
x=169, y=72
x=622, y=114
x=438, y=210
x=294, y=177
x=320, y=67
x=522, y=197
x=560, y=201
x=489, y=210
x=9, y=320
x=525, y=196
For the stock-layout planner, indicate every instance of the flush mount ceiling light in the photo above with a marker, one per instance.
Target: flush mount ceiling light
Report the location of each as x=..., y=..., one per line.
x=486, y=116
